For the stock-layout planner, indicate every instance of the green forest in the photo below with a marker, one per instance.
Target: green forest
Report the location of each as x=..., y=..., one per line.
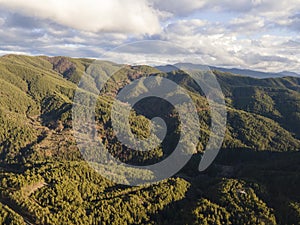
x=44, y=178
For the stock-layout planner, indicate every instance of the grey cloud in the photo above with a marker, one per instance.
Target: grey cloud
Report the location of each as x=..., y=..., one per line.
x=292, y=44
x=178, y=7
x=186, y=7
x=295, y=22
x=19, y=21
x=258, y=58
x=41, y=36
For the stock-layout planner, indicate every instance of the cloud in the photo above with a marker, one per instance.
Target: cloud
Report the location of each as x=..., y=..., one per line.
x=186, y=7
x=255, y=7
x=19, y=21
x=40, y=36
x=2, y=21
x=292, y=22
x=254, y=34
x=228, y=48
x=178, y=7
x=247, y=24
x=186, y=26
x=124, y=16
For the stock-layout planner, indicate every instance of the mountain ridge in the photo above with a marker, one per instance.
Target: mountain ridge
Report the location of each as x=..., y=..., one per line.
x=241, y=72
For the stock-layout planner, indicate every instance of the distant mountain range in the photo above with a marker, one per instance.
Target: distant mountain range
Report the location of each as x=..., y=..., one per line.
x=242, y=72
x=256, y=74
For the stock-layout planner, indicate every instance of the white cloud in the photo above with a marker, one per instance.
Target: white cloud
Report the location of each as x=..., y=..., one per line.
x=124, y=16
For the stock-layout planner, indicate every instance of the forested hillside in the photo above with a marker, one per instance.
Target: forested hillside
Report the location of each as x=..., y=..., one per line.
x=44, y=179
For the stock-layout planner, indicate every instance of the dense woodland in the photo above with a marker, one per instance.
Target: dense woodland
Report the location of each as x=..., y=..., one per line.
x=44, y=179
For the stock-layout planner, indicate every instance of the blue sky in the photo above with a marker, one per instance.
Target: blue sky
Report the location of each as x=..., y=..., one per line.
x=252, y=34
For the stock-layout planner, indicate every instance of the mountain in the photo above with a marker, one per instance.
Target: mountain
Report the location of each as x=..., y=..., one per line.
x=289, y=74
x=255, y=74
x=44, y=179
x=241, y=72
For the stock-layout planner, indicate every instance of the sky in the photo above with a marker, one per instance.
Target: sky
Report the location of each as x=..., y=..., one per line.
x=251, y=34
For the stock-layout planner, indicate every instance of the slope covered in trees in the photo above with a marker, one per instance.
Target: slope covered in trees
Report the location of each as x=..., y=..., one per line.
x=255, y=179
